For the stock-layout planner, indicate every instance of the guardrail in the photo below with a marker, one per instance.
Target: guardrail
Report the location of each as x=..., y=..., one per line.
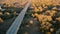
x=15, y=25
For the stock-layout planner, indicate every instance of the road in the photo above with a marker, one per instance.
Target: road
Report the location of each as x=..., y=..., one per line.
x=15, y=26
x=5, y=25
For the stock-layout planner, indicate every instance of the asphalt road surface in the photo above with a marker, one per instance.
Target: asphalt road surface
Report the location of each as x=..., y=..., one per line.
x=15, y=26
